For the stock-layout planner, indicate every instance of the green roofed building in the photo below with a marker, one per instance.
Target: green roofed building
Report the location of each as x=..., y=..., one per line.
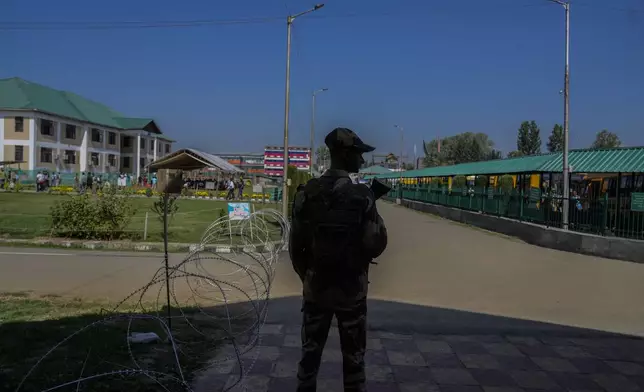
x=375, y=170
x=55, y=130
x=614, y=160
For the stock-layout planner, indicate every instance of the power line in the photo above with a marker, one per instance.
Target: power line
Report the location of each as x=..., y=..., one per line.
x=130, y=25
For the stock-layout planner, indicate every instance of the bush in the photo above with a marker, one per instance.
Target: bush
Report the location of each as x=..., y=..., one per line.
x=297, y=177
x=436, y=182
x=105, y=217
x=481, y=181
x=459, y=182
x=506, y=183
x=60, y=190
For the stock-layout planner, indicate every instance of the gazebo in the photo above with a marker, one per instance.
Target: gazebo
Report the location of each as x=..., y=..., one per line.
x=187, y=159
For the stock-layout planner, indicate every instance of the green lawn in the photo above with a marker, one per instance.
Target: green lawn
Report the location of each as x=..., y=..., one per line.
x=30, y=326
x=26, y=215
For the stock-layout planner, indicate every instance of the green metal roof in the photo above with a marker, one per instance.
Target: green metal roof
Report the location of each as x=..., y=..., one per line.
x=375, y=170
x=19, y=94
x=614, y=160
x=498, y=166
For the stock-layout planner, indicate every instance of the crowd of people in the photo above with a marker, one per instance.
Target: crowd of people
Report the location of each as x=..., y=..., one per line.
x=233, y=186
x=81, y=182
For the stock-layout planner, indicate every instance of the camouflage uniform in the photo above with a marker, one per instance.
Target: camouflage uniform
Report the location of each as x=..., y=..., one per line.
x=343, y=294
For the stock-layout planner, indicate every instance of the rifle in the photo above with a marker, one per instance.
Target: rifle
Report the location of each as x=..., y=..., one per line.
x=379, y=189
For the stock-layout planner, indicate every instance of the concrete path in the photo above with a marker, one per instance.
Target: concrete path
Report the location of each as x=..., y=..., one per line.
x=449, y=363
x=429, y=263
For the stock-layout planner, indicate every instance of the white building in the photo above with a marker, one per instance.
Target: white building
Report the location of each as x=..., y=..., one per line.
x=47, y=129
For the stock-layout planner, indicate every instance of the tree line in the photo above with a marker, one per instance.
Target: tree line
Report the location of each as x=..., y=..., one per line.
x=475, y=147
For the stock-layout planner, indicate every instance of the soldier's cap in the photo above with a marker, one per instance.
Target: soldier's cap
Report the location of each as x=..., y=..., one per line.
x=344, y=138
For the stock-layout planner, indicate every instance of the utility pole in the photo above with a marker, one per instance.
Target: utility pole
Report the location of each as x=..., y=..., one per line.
x=287, y=103
x=400, y=162
x=566, y=168
x=313, y=125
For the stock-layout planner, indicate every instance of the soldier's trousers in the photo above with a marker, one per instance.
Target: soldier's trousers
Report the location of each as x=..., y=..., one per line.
x=352, y=324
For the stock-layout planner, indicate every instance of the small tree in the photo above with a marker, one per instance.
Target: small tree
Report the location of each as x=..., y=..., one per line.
x=481, y=181
x=556, y=139
x=506, y=183
x=158, y=205
x=459, y=182
x=515, y=154
x=606, y=139
x=529, y=138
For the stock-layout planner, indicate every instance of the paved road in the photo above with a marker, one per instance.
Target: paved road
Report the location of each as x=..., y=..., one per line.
x=449, y=275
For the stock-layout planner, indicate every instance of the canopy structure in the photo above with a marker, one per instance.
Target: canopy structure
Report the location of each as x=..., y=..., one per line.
x=375, y=170
x=610, y=160
x=190, y=159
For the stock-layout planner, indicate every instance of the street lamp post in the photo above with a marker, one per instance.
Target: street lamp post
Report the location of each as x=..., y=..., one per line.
x=400, y=164
x=566, y=168
x=313, y=125
x=287, y=103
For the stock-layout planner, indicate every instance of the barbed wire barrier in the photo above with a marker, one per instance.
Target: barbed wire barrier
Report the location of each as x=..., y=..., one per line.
x=218, y=299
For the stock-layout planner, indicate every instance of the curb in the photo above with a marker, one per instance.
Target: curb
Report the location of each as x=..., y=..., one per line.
x=173, y=247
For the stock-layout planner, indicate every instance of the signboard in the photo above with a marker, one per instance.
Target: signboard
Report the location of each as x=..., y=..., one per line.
x=238, y=211
x=490, y=193
x=637, y=201
x=535, y=194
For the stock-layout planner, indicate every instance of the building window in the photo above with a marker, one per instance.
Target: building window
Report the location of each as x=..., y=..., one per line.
x=142, y=162
x=94, y=159
x=142, y=144
x=127, y=141
x=46, y=127
x=111, y=160
x=70, y=131
x=111, y=138
x=167, y=148
x=18, y=154
x=126, y=162
x=19, y=122
x=45, y=155
x=158, y=146
x=97, y=135
x=70, y=157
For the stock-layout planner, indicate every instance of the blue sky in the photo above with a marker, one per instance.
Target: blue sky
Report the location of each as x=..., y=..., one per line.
x=435, y=67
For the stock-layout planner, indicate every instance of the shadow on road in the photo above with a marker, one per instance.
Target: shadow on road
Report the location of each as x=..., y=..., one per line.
x=103, y=347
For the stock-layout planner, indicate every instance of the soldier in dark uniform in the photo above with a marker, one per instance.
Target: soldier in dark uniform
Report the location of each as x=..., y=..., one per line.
x=335, y=235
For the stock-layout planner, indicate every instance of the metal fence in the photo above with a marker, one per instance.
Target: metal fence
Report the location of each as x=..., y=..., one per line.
x=602, y=216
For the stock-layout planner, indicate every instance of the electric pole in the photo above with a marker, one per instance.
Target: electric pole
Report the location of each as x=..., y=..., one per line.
x=287, y=104
x=566, y=92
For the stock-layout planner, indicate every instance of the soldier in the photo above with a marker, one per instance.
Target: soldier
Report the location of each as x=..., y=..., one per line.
x=335, y=235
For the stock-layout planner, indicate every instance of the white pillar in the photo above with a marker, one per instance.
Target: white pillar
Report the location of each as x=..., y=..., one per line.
x=154, y=151
x=83, y=149
x=137, y=157
x=1, y=138
x=33, y=128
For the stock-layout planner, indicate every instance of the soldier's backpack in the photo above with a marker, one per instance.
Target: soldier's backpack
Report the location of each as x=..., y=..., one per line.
x=334, y=211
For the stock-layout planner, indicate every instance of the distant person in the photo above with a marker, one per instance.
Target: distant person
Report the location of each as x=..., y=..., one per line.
x=241, y=188
x=231, y=190
x=336, y=233
x=40, y=181
x=90, y=182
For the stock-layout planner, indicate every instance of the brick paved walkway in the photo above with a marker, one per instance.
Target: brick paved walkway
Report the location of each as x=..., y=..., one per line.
x=454, y=363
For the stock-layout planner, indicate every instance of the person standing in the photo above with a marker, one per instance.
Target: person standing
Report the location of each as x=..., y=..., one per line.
x=336, y=233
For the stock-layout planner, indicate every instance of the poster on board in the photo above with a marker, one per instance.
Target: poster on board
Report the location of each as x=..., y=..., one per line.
x=238, y=211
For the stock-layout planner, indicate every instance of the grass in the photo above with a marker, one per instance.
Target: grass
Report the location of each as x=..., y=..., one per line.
x=27, y=215
x=31, y=325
